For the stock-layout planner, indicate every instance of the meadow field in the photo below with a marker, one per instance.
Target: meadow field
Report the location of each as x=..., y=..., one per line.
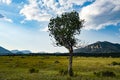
x=55, y=68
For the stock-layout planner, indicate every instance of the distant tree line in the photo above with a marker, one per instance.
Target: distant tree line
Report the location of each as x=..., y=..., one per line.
x=66, y=54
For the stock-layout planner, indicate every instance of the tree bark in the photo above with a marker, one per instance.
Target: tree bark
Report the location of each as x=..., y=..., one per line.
x=70, y=70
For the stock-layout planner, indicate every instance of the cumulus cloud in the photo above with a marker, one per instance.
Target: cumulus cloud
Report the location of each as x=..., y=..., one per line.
x=7, y=19
x=44, y=29
x=101, y=13
x=43, y=10
x=32, y=12
x=3, y=18
x=6, y=1
x=78, y=2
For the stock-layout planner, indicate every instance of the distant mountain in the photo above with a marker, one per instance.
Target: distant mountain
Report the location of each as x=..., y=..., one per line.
x=21, y=52
x=99, y=47
x=4, y=51
x=26, y=51
x=16, y=52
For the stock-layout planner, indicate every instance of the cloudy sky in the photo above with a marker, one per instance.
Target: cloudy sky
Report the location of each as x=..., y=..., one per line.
x=23, y=23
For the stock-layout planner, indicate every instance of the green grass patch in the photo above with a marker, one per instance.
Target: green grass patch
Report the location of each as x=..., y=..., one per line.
x=55, y=68
x=105, y=74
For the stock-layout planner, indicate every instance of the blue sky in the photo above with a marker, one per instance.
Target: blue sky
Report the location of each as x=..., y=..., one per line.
x=23, y=23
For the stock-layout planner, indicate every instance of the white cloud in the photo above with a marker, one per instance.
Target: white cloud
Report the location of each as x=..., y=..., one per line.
x=7, y=19
x=22, y=22
x=43, y=10
x=3, y=18
x=79, y=2
x=44, y=29
x=6, y=1
x=101, y=13
x=32, y=12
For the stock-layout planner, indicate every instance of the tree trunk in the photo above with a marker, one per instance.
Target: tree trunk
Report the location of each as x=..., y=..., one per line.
x=70, y=70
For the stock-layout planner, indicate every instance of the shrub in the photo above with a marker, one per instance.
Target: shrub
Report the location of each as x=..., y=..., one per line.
x=105, y=74
x=33, y=70
x=10, y=59
x=22, y=57
x=56, y=62
x=68, y=78
x=115, y=63
x=63, y=72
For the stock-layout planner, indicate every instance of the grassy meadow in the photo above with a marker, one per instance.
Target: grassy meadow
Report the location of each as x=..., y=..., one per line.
x=55, y=68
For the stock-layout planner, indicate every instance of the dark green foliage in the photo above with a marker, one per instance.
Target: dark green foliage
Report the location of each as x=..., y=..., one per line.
x=68, y=78
x=63, y=72
x=22, y=57
x=56, y=62
x=105, y=74
x=64, y=27
x=115, y=63
x=33, y=70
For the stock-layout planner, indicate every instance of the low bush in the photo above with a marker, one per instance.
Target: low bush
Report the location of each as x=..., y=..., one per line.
x=68, y=78
x=105, y=74
x=63, y=72
x=115, y=63
x=56, y=62
x=22, y=57
x=33, y=70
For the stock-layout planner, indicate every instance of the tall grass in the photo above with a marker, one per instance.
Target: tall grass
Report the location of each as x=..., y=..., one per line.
x=55, y=68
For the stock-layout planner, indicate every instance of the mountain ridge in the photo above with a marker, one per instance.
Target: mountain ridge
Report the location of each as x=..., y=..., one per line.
x=99, y=47
x=4, y=51
x=21, y=51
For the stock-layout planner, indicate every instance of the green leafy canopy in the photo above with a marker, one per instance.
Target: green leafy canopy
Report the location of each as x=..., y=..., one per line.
x=64, y=28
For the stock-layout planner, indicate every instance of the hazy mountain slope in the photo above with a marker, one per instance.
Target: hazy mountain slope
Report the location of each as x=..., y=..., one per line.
x=4, y=51
x=100, y=47
x=21, y=52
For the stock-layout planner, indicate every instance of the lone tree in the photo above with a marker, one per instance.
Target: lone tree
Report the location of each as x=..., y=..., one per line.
x=63, y=29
